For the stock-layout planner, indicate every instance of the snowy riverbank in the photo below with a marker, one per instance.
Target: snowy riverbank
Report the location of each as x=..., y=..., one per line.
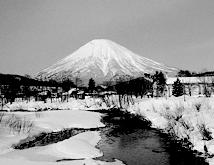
x=188, y=121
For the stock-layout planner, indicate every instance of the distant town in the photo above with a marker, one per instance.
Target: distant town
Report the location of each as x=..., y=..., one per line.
x=17, y=87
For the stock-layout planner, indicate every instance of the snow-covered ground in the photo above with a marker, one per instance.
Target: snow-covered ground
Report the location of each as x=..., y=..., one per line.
x=71, y=104
x=6, y=161
x=81, y=146
x=188, y=119
x=58, y=120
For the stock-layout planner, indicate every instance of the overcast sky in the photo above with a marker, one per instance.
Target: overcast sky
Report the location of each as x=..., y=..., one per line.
x=36, y=33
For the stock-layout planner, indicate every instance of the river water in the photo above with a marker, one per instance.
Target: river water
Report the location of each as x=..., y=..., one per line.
x=137, y=146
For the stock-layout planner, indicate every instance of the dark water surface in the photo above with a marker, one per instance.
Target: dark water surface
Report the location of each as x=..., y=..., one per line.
x=137, y=146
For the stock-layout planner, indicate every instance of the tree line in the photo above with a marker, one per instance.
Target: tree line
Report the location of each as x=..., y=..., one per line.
x=13, y=86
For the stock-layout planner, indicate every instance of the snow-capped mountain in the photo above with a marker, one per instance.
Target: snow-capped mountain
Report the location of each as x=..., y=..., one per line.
x=102, y=60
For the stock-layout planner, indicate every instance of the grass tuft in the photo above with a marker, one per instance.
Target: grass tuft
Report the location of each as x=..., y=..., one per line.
x=18, y=124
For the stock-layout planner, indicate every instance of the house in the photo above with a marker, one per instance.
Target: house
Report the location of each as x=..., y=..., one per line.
x=193, y=86
x=101, y=88
x=81, y=94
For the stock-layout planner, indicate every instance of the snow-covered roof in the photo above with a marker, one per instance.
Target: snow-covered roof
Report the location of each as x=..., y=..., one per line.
x=43, y=93
x=108, y=92
x=81, y=92
x=65, y=93
x=191, y=80
x=73, y=90
x=102, y=86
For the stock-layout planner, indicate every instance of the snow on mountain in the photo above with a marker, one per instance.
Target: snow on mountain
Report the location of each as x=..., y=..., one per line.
x=102, y=60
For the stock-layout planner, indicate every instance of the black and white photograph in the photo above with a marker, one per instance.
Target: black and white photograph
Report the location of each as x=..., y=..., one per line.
x=106, y=82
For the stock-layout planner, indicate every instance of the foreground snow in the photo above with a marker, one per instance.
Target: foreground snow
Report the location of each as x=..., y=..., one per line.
x=190, y=119
x=81, y=146
x=6, y=161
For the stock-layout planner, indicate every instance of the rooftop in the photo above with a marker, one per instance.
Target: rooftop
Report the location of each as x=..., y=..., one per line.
x=191, y=80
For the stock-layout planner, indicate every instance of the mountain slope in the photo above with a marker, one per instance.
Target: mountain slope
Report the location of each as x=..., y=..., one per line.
x=102, y=60
x=18, y=80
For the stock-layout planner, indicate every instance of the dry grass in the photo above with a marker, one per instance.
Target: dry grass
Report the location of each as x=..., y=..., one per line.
x=17, y=124
x=2, y=114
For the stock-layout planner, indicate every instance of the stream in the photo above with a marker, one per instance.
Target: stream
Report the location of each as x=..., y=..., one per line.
x=142, y=146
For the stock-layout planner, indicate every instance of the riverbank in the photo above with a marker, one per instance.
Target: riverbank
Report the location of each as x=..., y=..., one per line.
x=189, y=121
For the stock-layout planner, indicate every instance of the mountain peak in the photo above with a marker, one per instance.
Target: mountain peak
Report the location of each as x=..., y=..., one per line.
x=102, y=59
x=101, y=40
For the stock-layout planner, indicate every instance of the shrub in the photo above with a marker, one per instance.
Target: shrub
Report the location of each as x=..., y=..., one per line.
x=178, y=112
x=107, y=101
x=206, y=134
x=187, y=125
x=18, y=124
x=175, y=115
x=172, y=129
x=198, y=106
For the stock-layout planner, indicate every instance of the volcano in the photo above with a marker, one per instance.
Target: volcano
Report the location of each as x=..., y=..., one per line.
x=103, y=60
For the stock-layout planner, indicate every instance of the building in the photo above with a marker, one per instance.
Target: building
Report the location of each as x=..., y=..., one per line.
x=193, y=86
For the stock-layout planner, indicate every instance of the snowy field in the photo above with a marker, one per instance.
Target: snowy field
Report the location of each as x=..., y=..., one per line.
x=79, y=148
